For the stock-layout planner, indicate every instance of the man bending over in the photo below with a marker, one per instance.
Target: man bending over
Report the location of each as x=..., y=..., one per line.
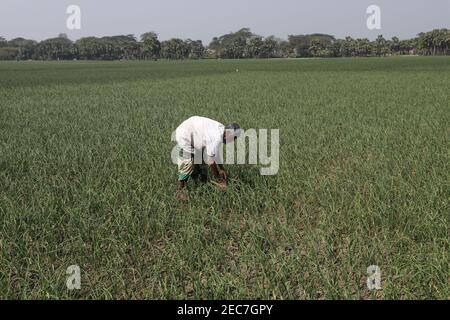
x=199, y=140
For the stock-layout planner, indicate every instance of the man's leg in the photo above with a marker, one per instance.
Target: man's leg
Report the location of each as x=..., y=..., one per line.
x=181, y=184
x=195, y=172
x=203, y=169
x=185, y=168
x=200, y=172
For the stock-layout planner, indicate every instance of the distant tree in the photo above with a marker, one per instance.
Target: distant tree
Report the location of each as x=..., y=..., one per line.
x=232, y=45
x=315, y=47
x=8, y=53
x=395, y=45
x=56, y=49
x=236, y=48
x=424, y=43
x=90, y=48
x=255, y=47
x=116, y=47
x=440, y=41
x=3, y=42
x=174, y=49
x=151, y=47
x=361, y=47
x=336, y=48
x=130, y=48
x=270, y=47
x=196, y=49
x=285, y=49
x=215, y=47
x=302, y=44
x=447, y=41
x=26, y=47
x=407, y=46
x=348, y=47
x=381, y=46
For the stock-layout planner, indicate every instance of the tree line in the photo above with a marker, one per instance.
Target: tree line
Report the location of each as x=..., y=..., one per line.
x=119, y=47
x=234, y=45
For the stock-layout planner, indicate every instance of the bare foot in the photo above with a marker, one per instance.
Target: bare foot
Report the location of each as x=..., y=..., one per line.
x=181, y=195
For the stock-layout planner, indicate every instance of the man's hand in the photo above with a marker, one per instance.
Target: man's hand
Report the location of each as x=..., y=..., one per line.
x=223, y=174
x=220, y=174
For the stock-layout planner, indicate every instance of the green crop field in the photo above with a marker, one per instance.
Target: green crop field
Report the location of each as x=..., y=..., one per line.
x=86, y=179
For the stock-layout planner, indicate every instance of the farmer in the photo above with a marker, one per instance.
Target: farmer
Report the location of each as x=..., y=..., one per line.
x=199, y=140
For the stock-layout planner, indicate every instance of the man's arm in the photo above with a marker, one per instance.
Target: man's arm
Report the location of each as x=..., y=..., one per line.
x=218, y=171
x=214, y=159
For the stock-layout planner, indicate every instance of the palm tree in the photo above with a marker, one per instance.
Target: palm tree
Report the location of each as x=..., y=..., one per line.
x=395, y=45
x=254, y=47
x=315, y=47
x=151, y=47
x=381, y=46
x=270, y=47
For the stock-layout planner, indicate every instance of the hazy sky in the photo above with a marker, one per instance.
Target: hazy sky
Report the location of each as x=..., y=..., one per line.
x=204, y=19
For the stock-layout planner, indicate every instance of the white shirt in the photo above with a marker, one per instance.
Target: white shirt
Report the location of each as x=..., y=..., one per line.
x=197, y=133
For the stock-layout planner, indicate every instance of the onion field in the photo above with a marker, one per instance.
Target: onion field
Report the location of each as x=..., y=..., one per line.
x=86, y=179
